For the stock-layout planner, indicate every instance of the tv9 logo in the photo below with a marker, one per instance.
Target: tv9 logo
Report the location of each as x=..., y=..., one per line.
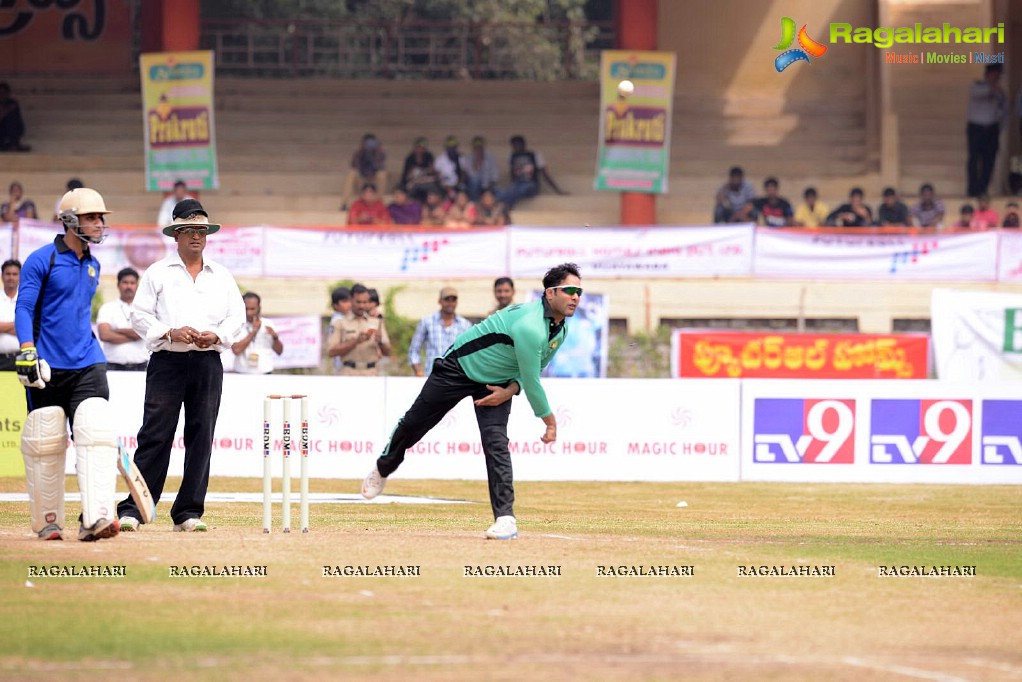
x=1002, y=432
x=920, y=432
x=796, y=430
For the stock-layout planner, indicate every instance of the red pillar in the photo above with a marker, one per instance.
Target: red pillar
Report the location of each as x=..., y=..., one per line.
x=180, y=25
x=635, y=26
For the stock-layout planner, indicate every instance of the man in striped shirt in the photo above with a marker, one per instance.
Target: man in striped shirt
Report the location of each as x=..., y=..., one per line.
x=435, y=333
x=491, y=362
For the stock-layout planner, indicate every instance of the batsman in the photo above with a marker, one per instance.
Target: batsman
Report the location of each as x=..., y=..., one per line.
x=64, y=371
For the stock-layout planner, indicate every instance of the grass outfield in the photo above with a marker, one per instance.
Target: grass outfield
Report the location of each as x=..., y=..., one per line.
x=714, y=625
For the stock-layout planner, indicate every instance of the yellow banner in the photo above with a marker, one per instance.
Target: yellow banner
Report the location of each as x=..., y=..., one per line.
x=12, y=416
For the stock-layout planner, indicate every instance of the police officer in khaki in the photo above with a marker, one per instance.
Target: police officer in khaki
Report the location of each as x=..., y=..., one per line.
x=359, y=339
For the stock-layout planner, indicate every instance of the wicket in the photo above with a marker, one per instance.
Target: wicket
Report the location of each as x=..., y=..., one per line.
x=286, y=449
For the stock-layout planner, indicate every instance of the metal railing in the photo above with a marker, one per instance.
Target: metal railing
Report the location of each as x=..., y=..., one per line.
x=408, y=49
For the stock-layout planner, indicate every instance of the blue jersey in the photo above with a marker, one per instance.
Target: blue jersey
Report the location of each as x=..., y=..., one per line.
x=65, y=337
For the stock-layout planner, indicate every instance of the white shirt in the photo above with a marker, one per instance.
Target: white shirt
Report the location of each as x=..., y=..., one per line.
x=168, y=298
x=166, y=215
x=8, y=342
x=446, y=169
x=257, y=358
x=117, y=314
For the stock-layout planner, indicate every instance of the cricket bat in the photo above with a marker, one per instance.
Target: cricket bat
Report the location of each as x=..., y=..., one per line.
x=136, y=485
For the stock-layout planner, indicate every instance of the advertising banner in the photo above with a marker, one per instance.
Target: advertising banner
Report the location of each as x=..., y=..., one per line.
x=879, y=257
x=177, y=108
x=12, y=419
x=699, y=353
x=636, y=109
x=977, y=335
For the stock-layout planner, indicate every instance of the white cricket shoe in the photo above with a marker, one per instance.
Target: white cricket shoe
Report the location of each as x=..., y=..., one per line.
x=191, y=526
x=504, y=528
x=129, y=524
x=373, y=484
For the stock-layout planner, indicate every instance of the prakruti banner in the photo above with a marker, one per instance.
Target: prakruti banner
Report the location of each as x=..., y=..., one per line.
x=177, y=108
x=702, y=353
x=636, y=98
x=977, y=335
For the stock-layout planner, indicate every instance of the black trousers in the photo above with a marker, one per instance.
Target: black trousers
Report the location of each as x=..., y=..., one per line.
x=983, y=142
x=195, y=380
x=445, y=387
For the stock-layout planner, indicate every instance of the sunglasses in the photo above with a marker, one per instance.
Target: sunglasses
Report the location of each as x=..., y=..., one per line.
x=450, y=298
x=570, y=290
x=201, y=231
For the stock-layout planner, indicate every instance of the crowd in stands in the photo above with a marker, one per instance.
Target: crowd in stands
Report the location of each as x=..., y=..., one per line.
x=453, y=189
x=737, y=202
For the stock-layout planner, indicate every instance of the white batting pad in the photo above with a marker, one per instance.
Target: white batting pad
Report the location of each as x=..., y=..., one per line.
x=44, y=446
x=96, y=445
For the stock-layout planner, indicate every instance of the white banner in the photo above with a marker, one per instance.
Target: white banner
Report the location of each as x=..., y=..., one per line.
x=977, y=335
x=718, y=251
x=879, y=257
x=1009, y=261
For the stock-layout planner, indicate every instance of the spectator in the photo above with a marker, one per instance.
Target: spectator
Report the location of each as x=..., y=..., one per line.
x=17, y=206
x=360, y=341
x=368, y=209
x=491, y=212
x=503, y=293
x=929, y=212
x=418, y=175
x=367, y=167
x=774, y=209
x=1010, y=215
x=461, y=212
x=124, y=349
x=9, y=346
x=735, y=200
x=403, y=210
x=481, y=169
x=450, y=167
x=892, y=212
x=811, y=213
x=853, y=214
x=966, y=217
x=527, y=167
x=340, y=301
x=12, y=127
x=435, y=333
x=374, y=304
x=985, y=216
x=166, y=215
x=987, y=111
x=434, y=213
x=72, y=184
x=252, y=353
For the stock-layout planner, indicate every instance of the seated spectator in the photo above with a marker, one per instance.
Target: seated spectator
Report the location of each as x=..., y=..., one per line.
x=368, y=209
x=166, y=215
x=735, y=200
x=12, y=126
x=489, y=211
x=1010, y=215
x=929, y=212
x=403, y=210
x=966, y=216
x=985, y=216
x=853, y=214
x=17, y=205
x=526, y=169
x=419, y=175
x=481, y=169
x=450, y=167
x=774, y=209
x=434, y=212
x=367, y=167
x=892, y=212
x=72, y=184
x=461, y=212
x=811, y=213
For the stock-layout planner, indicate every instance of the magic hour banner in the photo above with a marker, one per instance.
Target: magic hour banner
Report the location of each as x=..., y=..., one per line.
x=177, y=107
x=636, y=97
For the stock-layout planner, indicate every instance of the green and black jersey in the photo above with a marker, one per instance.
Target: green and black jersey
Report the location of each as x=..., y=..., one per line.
x=514, y=343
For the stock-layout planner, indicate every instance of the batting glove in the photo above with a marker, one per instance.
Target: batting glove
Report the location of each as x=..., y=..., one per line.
x=32, y=371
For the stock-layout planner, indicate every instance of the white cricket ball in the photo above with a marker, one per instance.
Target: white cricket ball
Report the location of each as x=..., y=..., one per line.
x=625, y=88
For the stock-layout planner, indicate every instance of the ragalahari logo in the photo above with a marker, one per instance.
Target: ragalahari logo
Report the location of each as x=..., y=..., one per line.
x=807, y=44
